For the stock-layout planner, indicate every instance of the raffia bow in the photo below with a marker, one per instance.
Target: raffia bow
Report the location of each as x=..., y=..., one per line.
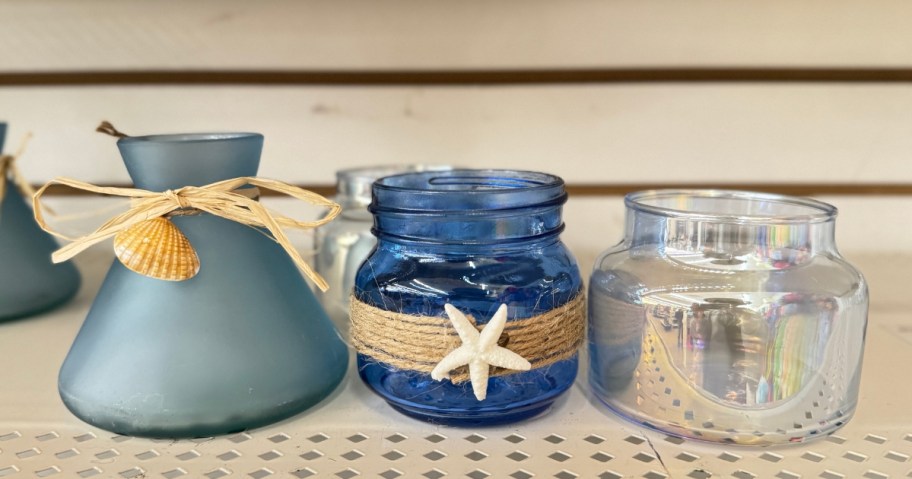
x=9, y=171
x=220, y=199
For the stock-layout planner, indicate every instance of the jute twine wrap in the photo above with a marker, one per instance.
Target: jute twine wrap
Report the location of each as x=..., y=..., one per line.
x=418, y=343
x=225, y=199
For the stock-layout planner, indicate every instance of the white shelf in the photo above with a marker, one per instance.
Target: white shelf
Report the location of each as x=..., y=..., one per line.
x=354, y=433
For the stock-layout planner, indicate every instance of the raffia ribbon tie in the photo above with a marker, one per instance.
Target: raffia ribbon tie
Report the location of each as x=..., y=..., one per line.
x=419, y=343
x=9, y=170
x=229, y=199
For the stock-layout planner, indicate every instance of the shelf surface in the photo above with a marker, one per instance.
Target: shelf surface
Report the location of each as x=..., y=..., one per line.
x=355, y=434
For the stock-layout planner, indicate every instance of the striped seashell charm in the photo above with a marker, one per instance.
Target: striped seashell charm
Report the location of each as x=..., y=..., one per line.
x=156, y=248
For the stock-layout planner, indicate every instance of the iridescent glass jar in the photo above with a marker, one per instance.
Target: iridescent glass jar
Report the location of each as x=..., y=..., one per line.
x=475, y=241
x=728, y=316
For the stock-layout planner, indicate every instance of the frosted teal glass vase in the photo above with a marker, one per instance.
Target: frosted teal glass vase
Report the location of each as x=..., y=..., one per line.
x=242, y=344
x=29, y=282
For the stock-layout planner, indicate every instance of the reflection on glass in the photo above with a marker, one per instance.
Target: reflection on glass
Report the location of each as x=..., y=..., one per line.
x=741, y=353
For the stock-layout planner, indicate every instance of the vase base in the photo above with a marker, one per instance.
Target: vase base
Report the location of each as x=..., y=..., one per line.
x=40, y=305
x=161, y=425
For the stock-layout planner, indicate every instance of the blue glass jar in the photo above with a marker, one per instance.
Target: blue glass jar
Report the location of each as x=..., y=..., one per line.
x=475, y=239
x=29, y=282
x=242, y=344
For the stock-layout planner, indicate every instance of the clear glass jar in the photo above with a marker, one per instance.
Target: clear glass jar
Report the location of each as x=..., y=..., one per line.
x=342, y=245
x=728, y=316
x=475, y=239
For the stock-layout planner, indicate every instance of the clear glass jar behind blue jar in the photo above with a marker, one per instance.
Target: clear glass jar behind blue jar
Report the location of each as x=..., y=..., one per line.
x=343, y=244
x=474, y=239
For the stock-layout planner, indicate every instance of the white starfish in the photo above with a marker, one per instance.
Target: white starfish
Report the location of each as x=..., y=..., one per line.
x=479, y=350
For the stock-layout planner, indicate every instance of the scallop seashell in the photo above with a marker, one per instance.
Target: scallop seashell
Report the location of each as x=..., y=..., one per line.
x=156, y=248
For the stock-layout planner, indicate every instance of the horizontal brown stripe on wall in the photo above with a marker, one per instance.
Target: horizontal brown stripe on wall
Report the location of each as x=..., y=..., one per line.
x=457, y=77
x=803, y=189
x=796, y=189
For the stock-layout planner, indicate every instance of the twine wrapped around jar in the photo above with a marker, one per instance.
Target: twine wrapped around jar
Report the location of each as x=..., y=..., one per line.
x=419, y=343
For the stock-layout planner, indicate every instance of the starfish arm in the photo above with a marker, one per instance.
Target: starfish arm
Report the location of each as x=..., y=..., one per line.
x=504, y=358
x=457, y=357
x=478, y=373
x=492, y=331
x=466, y=331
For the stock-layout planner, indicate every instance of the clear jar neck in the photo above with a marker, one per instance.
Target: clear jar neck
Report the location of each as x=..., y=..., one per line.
x=468, y=207
x=723, y=225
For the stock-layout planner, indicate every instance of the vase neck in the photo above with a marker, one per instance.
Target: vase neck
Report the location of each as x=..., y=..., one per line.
x=723, y=225
x=2, y=136
x=162, y=162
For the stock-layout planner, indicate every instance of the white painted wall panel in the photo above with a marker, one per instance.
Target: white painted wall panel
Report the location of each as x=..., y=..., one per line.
x=588, y=134
x=59, y=35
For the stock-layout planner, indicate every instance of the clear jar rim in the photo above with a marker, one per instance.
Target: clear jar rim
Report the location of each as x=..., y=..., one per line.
x=354, y=184
x=816, y=211
x=376, y=172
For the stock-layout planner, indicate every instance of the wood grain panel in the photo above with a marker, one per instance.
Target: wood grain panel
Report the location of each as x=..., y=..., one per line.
x=327, y=35
x=594, y=135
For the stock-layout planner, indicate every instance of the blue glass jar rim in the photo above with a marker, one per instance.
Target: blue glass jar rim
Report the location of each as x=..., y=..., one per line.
x=494, y=189
x=803, y=210
x=190, y=137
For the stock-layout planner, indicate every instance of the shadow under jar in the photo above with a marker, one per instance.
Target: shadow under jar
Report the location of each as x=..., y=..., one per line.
x=475, y=239
x=728, y=316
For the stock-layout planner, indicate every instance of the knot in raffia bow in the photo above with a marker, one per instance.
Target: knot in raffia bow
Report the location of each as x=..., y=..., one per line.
x=147, y=220
x=178, y=198
x=9, y=171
